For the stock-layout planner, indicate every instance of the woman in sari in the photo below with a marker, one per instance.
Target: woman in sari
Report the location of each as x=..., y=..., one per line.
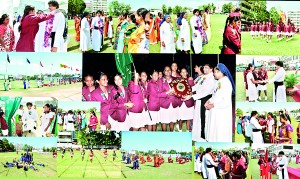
x=285, y=131
x=77, y=28
x=158, y=19
x=124, y=24
x=239, y=125
x=6, y=34
x=138, y=43
x=130, y=28
x=118, y=29
x=152, y=37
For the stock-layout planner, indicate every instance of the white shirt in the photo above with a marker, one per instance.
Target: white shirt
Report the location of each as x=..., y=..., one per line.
x=209, y=160
x=270, y=125
x=30, y=115
x=255, y=124
x=206, y=88
x=59, y=28
x=279, y=76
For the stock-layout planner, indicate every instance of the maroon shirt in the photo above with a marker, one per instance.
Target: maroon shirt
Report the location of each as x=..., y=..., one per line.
x=117, y=109
x=30, y=27
x=4, y=125
x=136, y=97
x=154, y=93
x=232, y=41
x=189, y=103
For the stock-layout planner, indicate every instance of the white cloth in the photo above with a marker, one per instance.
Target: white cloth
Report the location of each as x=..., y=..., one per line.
x=203, y=167
x=197, y=41
x=118, y=126
x=167, y=115
x=16, y=33
x=257, y=136
x=219, y=118
x=39, y=39
x=110, y=29
x=96, y=35
x=59, y=24
x=5, y=132
x=135, y=120
x=45, y=121
x=59, y=119
x=282, y=161
x=65, y=122
x=85, y=37
x=252, y=91
x=70, y=123
x=155, y=118
x=261, y=87
x=211, y=174
x=270, y=125
x=185, y=34
x=167, y=35
x=29, y=119
x=185, y=113
x=281, y=93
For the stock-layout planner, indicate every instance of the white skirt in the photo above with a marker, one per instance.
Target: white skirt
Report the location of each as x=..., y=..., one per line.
x=256, y=32
x=286, y=33
x=261, y=87
x=70, y=126
x=155, y=118
x=118, y=126
x=168, y=115
x=136, y=120
x=269, y=33
x=252, y=33
x=5, y=132
x=278, y=33
x=185, y=113
x=257, y=137
x=103, y=127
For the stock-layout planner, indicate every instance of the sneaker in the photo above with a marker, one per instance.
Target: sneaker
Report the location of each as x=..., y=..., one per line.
x=266, y=98
x=259, y=98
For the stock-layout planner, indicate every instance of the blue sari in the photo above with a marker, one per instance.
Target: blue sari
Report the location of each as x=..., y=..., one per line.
x=239, y=126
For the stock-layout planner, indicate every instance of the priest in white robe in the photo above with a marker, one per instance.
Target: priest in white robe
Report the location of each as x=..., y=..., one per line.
x=210, y=165
x=282, y=163
x=85, y=36
x=167, y=35
x=196, y=25
x=256, y=128
x=97, y=32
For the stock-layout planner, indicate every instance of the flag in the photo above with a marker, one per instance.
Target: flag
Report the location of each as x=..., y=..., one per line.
x=253, y=61
x=266, y=155
x=123, y=63
x=27, y=61
x=41, y=64
x=8, y=60
x=77, y=69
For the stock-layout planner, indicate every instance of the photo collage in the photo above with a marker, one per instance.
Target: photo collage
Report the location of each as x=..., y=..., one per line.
x=150, y=89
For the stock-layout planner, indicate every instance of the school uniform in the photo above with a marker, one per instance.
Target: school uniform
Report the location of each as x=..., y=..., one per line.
x=167, y=35
x=252, y=90
x=138, y=117
x=86, y=94
x=97, y=33
x=231, y=41
x=118, y=112
x=278, y=30
x=279, y=91
x=186, y=108
x=256, y=29
x=252, y=30
x=154, y=94
x=110, y=29
x=105, y=103
x=270, y=29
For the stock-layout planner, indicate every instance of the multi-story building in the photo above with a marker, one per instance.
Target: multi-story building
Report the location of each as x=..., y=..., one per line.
x=99, y=5
x=295, y=17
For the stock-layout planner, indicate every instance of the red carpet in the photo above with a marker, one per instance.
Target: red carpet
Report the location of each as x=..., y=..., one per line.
x=293, y=173
x=296, y=96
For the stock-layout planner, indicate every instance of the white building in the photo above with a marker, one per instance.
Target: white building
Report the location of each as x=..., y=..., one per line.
x=295, y=17
x=96, y=5
x=286, y=148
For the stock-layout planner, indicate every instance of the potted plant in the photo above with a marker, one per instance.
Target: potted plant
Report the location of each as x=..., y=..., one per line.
x=290, y=82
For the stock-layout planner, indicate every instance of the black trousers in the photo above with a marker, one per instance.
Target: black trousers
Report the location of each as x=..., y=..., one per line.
x=202, y=114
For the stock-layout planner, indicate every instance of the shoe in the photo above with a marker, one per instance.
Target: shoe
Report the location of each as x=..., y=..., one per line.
x=266, y=98
x=177, y=127
x=259, y=98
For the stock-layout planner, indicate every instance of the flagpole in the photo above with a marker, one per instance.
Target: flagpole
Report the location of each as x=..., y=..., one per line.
x=6, y=69
x=142, y=91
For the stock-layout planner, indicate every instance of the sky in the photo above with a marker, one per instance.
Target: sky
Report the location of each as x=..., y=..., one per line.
x=289, y=5
x=18, y=63
x=144, y=141
x=266, y=106
x=221, y=145
x=68, y=105
x=37, y=142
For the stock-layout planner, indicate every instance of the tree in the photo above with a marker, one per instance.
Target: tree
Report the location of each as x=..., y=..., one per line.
x=227, y=8
x=117, y=9
x=274, y=15
x=169, y=10
x=82, y=138
x=76, y=7
x=177, y=9
x=5, y=145
x=164, y=8
x=172, y=151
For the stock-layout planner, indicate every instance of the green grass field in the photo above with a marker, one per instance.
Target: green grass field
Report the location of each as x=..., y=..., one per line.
x=261, y=47
x=255, y=171
x=242, y=138
x=48, y=171
x=66, y=92
x=241, y=95
x=217, y=27
x=99, y=168
x=166, y=170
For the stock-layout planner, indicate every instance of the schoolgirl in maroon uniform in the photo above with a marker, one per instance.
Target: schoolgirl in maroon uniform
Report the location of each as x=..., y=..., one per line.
x=269, y=31
x=88, y=89
x=278, y=31
x=252, y=30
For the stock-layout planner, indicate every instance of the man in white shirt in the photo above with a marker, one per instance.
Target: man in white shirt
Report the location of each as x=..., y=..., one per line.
x=59, y=23
x=210, y=165
x=278, y=80
x=282, y=163
x=256, y=128
x=204, y=92
x=29, y=120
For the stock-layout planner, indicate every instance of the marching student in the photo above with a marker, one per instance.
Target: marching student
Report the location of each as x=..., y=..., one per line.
x=91, y=155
